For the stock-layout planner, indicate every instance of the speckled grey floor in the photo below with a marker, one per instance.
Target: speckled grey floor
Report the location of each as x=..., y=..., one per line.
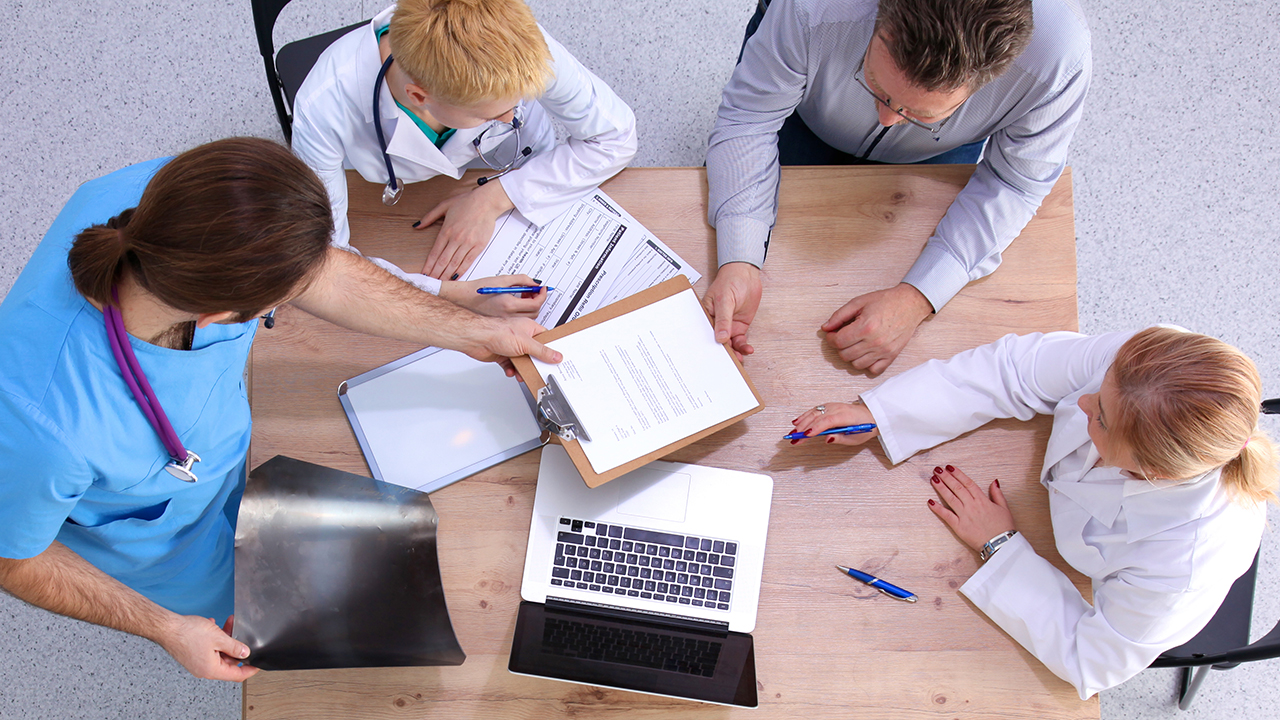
x=1175, y=176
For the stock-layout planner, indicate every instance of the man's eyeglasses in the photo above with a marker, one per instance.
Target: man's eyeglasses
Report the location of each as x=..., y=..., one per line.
x=496, y=138
x=934, y=128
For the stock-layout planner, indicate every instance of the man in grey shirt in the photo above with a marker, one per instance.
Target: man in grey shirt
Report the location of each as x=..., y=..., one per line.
x=894, y=81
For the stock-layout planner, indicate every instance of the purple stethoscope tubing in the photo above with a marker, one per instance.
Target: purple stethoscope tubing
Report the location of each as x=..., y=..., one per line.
x=142, y=392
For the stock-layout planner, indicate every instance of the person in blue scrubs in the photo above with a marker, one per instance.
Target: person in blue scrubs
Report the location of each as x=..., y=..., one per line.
x=190, y=250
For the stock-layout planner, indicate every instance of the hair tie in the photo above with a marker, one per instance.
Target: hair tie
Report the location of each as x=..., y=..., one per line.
x=1246, y=443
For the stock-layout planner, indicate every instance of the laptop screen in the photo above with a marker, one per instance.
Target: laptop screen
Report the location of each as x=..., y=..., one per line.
x=639, y=655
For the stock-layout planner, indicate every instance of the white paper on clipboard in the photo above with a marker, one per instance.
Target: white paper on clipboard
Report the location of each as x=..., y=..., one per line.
x=437, y=416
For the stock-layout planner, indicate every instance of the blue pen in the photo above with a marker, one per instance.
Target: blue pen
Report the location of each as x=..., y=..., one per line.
x=846, y=430
x=889, y=589
x=519, y=289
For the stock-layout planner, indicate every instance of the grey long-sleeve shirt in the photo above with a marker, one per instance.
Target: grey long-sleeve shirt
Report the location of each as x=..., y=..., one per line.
x=804, y=57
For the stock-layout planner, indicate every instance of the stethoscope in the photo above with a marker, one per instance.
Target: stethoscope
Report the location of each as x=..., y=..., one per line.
x=180, y=458
x=391, y=193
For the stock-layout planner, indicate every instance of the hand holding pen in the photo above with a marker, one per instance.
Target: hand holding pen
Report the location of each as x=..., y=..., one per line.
x=842, y=423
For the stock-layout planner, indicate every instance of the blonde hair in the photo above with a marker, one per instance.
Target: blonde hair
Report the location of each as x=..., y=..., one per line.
x=466, y=52
x=1188, y=404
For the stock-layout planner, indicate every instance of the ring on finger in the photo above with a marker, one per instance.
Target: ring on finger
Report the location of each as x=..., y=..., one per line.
x=822, y=409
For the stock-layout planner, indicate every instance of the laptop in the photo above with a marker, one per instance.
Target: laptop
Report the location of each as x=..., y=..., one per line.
x=648, y=583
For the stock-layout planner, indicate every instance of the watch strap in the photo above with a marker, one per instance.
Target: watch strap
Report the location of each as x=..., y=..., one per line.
x=990, y=547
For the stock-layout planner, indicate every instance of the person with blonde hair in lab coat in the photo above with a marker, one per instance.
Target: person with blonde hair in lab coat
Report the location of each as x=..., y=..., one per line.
x=460, y=84
x=1158, y=477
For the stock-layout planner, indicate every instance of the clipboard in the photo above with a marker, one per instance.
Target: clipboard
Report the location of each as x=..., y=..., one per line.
x=555, y=412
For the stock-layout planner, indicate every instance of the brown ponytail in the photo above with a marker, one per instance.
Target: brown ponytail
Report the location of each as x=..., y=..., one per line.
x=1191, y=404
x=98, y=257
x=235, y=225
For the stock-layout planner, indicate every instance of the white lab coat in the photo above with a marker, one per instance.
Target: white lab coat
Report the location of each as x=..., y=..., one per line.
x=333, y=131
x=1161, y=559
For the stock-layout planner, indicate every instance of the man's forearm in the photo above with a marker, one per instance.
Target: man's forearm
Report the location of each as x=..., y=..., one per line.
x=61, y=581
x=356, y=294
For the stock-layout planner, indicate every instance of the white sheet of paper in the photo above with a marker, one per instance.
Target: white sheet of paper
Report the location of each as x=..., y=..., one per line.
x=646, y=379
x=593, y=254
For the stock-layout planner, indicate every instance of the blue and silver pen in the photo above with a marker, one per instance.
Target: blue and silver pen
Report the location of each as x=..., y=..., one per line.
x=846, y=430
x=518, y=289
x=889, y=589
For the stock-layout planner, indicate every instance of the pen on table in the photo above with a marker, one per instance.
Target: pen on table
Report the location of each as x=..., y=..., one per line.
x=846, y=430
x=889, y=589
x=521, y=289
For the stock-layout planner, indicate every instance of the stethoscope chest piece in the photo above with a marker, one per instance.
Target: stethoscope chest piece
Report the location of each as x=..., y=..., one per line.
x=391, y=194
x=182, y=470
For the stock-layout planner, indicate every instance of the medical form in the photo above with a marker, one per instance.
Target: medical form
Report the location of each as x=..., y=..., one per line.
x=594, y=254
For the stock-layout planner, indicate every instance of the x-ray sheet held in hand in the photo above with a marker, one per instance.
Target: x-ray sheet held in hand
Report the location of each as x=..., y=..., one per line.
x=593, y=254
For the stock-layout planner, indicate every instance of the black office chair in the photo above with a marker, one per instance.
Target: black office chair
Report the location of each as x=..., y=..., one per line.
x=287, y=70
x=1224, y=642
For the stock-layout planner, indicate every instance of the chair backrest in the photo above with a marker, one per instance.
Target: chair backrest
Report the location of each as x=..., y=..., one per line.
x=1225, y=640
x=265, y=13
x=287, y=69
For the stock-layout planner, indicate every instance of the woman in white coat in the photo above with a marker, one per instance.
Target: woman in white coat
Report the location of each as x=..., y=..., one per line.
x=458, y=74
x=1157, y=473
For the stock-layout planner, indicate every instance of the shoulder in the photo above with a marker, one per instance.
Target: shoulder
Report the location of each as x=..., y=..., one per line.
x=335, y=77
x=38, y=312
x=93, y=203
x=1061, y=47
x=1192, y=537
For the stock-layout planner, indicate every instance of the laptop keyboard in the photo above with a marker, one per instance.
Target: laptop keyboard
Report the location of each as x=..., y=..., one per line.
x=629, y=647
x=648, y=564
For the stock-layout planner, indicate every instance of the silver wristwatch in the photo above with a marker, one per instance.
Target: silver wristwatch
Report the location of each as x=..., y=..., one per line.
x=990, y=547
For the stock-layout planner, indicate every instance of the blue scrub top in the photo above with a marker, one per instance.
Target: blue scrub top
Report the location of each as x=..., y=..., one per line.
x=79, y=462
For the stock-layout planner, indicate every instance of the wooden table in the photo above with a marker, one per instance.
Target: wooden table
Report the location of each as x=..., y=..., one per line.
x=826, y=646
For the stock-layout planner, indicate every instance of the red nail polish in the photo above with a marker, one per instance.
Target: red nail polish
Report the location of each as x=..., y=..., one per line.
x=997, y=482
x=932, y=502
x=831, y=439
x=793, y=442
x=936, y=480
x=950, y=469
x=937, y=471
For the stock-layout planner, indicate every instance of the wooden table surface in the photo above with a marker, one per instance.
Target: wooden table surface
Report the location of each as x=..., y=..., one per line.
x=826, y=646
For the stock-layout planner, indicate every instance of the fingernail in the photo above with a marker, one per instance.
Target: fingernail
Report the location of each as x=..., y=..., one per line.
x=454, y=277
x=935, y=479
x=793, y=442
x=417, y=223
x=244, y=652
x=932, y=502
x=997, y=482
x=831, y=439
x=806, y=433
x=536, y=281
x=793, y=422
x=950, y=469
x=937, y=471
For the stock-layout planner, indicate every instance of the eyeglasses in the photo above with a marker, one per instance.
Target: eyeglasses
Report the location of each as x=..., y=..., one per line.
x=935, y=129
x=496, y=138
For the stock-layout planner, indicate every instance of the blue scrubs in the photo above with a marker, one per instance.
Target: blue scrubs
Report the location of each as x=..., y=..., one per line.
x=78, y=461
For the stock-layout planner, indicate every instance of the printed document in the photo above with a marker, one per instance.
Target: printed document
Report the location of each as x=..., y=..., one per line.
x=593, y=254
x=646, y=379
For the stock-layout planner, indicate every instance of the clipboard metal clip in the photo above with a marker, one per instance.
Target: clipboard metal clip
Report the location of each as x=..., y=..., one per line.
x=555, y=414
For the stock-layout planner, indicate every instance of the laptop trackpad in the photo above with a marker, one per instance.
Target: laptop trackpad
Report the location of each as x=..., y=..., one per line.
x=654, y=494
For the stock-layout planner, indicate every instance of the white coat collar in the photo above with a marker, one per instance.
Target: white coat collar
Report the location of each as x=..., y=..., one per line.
x=1152, y=508
x=1149, y=508
x=404, y=140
